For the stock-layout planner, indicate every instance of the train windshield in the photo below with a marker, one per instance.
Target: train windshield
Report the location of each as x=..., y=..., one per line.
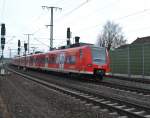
x=99, y=55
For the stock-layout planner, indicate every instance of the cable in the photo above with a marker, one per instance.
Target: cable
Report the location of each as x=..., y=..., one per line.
x=3, y=8
x=139, y=29
x=37, y=18
x=100, y=9
x=59, y=2
x=76, y=8
x=41, y=42
x=82, y=4
x=133, y=14
x=120, y=18
x=38, y=30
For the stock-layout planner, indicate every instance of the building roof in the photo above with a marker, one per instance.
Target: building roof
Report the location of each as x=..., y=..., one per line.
x=142, y=40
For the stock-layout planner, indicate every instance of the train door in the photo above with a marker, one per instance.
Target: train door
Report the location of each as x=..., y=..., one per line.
x=34, y=61
x=80, y=59
x=61, y=61
x=46, y=61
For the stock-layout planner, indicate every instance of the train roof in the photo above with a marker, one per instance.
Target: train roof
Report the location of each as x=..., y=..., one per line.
x=64, y=48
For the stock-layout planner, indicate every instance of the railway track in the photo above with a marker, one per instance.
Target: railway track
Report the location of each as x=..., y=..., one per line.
x=137, y=90
x=129, y=88
x=140, y=80
x=114, y=105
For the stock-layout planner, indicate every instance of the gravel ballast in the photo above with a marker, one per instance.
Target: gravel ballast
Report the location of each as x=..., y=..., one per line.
x=26, y=99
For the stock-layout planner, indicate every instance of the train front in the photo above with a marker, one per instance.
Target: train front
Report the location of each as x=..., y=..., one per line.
x=100, y=61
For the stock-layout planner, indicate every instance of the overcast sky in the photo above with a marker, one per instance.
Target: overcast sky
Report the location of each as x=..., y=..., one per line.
x=85, y=18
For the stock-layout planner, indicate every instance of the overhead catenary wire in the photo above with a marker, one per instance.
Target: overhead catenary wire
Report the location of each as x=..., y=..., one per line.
x=73, y=10
x=76, y=8
x=99, y=10
x=119, y=18
x=41, y=42
x=38, y=17
x=65, y=14
x=38, y=30
x=59, y=2
x=3, y=9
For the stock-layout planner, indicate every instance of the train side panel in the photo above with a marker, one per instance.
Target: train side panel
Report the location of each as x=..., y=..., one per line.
x=84, y=60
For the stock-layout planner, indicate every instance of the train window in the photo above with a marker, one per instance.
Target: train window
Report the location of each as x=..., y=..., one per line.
x=57, y=60
x=99, y=55
x=52, y=60
x=46, y=60
x=31, y=60
x=34, y=59
x=71, y=59
x=43, y=60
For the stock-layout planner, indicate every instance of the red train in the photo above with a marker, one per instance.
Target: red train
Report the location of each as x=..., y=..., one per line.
x=85, y=60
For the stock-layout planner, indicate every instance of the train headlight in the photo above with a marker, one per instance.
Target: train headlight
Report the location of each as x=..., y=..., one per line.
x=89, y=65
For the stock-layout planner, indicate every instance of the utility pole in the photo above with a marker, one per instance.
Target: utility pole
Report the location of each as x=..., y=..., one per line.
x=10, y=53
x=28, y=41
x=51, y=24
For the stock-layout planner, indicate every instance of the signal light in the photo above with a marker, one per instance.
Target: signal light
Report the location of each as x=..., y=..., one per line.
x=3, y=30
x=18, y=51
x=77, y=39
x=68, y=33
x=25, y=46
x=2, y=46
x=2, y=41
x=68, y=42
x=19, y=44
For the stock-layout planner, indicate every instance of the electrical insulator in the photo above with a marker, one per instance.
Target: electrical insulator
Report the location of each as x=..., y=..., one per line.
x=25, y=46
x=2, y=41
x=19, y=44
x=3, y=30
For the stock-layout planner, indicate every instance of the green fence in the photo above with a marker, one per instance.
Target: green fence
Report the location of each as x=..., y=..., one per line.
x=131, y=60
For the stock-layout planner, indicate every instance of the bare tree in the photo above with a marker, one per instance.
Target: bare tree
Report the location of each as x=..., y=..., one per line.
x=111, y=36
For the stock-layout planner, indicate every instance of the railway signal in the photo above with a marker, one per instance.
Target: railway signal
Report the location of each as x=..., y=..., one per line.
x=25, y=47
x=2, y=41
x=68, y=36
x=18, y=51
x=3, y=30
x=77, y=38
x=3, y=33
x=68, y=33
x=19, y=44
